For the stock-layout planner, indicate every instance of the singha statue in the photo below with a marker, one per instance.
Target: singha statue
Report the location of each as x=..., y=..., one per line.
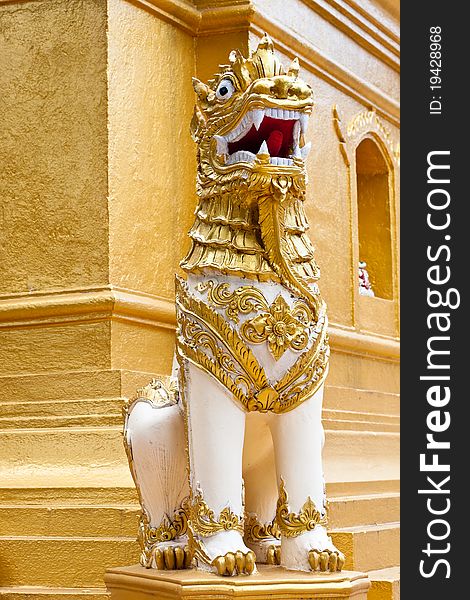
x=227, y=454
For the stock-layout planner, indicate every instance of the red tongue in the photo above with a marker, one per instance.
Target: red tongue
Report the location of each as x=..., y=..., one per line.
x=274, y=142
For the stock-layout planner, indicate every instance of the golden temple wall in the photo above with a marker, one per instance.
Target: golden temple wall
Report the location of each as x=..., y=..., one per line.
x=97, y=179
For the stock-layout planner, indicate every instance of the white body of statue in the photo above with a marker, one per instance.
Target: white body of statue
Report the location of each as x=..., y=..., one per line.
x=227, y=455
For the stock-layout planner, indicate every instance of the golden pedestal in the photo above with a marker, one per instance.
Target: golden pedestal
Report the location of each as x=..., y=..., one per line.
x=273, y=583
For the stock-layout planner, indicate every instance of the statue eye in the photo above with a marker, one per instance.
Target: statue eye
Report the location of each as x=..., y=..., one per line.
x=224, y=90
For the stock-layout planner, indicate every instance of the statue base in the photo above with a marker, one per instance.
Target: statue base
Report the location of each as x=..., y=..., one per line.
x=273, y=583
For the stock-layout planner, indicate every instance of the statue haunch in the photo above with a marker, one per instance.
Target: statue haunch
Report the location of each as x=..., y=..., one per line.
x=242, y=413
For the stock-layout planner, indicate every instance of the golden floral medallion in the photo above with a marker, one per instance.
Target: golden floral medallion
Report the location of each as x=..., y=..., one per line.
x=278, y=327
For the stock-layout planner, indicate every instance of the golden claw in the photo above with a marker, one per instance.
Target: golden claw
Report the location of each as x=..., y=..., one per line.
x=230, y=563
x=170, y=562
x=173, y=557
x=273, y=555
x=327, y=560
x=235, y=564
x=179, y=557
x=250, y=559
x=159, y=560
x=314, y=560
x=240, y=561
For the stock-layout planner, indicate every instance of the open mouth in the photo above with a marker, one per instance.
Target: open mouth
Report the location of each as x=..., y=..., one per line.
x=274, y=131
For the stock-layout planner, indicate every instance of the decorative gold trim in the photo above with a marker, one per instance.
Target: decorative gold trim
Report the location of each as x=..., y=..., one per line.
x=363, y=123
x=208, y=341
x=243, y=300
x=279, y=327
x=157, y=393
x=340, y=135
x=277, y=324
x=169, y=529
x=197, y=548
x=368, y=121
x=202, y=519
x=256, y=531
x=293, y=524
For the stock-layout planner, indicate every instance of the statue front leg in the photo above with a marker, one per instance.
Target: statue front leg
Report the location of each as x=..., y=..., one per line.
x=301, y=512
x=215, y=428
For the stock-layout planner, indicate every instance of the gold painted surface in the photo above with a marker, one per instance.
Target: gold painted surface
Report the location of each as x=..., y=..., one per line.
x=151, y=156
x=56, y=348
x=133, y=347
x=135, y=582
x=53, y=218
x=334, y=43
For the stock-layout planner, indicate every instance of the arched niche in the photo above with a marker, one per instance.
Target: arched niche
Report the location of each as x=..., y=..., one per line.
x=373, y=216
x=371, y=155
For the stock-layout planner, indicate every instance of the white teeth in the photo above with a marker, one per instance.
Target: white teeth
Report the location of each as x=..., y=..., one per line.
x=222, y=145
x=274, y=113
x=305, y=150
x=257, y=116
x=277, y=160
x=240, y=131
x=241, y=156
x=296, y=133
x=263, y=148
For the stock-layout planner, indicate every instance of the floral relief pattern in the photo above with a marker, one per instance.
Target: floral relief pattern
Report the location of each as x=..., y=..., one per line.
x=278, y=327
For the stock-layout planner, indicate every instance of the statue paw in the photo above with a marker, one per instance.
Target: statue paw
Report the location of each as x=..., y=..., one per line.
x=237, y=563
x=273, y=554
x=173, y=557
x=311, y=551
x=326, y=560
